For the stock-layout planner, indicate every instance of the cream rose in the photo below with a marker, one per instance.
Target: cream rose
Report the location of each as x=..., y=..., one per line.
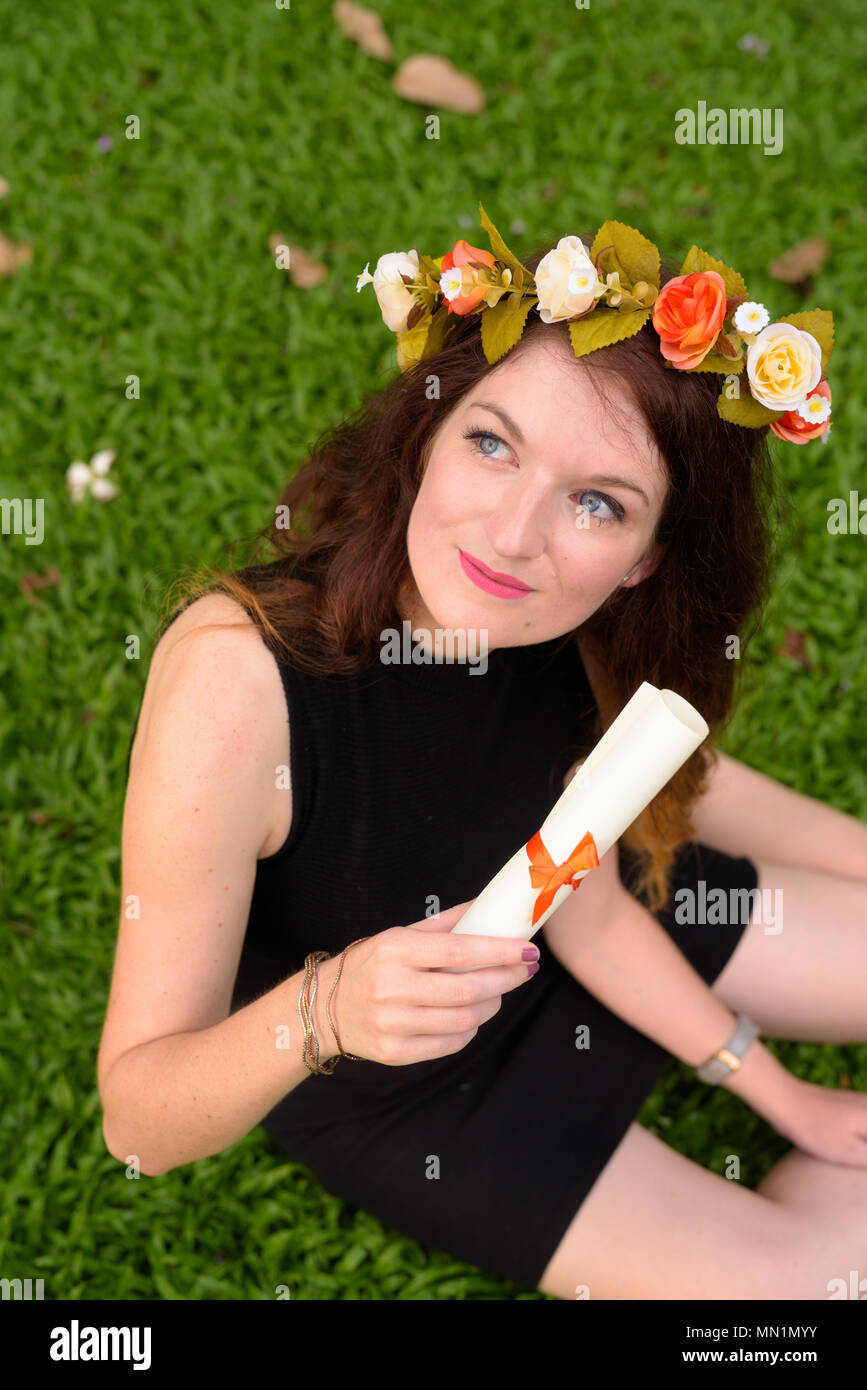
x=566, y=281
x=784, y=364
x=395, y=299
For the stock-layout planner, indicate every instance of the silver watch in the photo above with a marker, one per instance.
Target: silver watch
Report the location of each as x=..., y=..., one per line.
x=728, y=1058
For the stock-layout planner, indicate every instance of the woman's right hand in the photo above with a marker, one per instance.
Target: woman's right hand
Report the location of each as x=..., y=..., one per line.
x=396, y=1002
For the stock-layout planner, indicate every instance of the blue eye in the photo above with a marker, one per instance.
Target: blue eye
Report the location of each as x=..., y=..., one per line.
x=479, y=436
x=614, y=507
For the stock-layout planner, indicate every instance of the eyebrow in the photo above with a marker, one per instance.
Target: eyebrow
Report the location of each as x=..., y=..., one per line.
x=613, y=479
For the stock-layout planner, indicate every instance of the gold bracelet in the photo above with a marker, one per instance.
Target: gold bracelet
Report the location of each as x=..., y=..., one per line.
x=306, y=1000
x=331, y=1021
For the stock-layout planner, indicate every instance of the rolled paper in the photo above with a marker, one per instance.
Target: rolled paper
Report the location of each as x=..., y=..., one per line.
x=653, y=735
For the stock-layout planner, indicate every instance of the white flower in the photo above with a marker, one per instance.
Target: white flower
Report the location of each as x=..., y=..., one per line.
x=816, y=409
x=365, y=278
x=784, y=365
x=83, y=477
x=566, y=281
x=751, y=317
x=451, y=282
x=395, y=298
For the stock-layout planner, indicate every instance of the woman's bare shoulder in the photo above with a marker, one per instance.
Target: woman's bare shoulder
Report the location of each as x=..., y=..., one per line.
x=210, y=667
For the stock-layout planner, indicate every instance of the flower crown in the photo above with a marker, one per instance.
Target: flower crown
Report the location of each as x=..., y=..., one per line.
x=703, y=316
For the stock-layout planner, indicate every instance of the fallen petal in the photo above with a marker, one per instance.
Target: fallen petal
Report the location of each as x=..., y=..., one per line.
x=364, y=27
x=101, y=462
x=433, y=81
x=78, y=475
x=304, y=270
x=104, y=489
x=12, y=256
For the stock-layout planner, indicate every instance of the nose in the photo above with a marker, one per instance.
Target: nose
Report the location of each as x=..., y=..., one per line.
x=521, y=523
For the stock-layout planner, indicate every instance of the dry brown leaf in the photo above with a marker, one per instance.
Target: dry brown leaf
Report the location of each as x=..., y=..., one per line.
x=304, y=270
x=433, y=81
x=12, y=256
x=28, y=582
x=364, y=27
x=793, y=645
x=799, y=261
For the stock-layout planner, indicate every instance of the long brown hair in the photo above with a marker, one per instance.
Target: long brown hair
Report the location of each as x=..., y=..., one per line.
x=348, y=508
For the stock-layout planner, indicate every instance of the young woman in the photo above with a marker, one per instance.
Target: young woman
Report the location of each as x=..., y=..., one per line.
x=293, y=791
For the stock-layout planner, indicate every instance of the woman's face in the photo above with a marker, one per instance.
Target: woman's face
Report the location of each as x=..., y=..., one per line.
x=561, y=499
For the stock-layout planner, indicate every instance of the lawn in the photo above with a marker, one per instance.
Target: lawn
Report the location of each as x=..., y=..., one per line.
x=151, y=261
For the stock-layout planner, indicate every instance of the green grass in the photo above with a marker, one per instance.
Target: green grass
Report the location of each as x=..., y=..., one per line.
x=151, y=258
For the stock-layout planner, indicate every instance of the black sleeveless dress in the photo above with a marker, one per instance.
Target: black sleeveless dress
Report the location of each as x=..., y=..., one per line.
x=417, y=782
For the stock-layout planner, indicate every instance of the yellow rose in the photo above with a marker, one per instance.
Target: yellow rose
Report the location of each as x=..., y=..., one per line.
x=566, y=281
x=784, y=364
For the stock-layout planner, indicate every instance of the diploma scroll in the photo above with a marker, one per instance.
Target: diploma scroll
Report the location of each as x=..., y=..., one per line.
x=654, y=734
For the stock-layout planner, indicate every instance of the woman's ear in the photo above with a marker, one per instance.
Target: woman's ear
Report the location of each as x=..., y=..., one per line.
x=645, y=568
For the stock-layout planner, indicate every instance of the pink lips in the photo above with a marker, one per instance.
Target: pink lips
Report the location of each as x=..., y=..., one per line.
x=502, y=585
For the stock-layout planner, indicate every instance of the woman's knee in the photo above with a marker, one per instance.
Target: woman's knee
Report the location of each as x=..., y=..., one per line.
x=657, y=1225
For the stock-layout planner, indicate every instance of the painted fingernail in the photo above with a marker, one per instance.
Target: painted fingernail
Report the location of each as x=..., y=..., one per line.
x=530, y=953
x=531, y=969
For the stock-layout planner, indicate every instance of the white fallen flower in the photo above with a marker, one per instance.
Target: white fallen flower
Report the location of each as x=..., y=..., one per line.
x=82, y=478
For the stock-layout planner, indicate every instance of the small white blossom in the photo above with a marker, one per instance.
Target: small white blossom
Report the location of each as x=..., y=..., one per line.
x=82, y=478
x=816, y=409
x=365, y=278
x=751, y=317
x=451, y=282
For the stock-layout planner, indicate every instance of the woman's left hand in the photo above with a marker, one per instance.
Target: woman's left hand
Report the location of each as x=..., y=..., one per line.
x=827, y=1123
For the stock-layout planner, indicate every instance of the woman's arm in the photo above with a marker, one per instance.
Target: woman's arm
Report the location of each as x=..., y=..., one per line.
x=744, y=812
x=179, y=1078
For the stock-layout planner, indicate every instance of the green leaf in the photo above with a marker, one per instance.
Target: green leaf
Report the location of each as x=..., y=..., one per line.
x=626, y=250
x=746, y=411
x=424, y=340
x=718, y=362
x=430, y=266
x=819, y=322
x=603, y=327
x=501, y=252
x=503, y=325
x=696, y=259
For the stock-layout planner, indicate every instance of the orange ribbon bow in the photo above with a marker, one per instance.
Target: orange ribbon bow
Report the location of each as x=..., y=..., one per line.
x=550, y=877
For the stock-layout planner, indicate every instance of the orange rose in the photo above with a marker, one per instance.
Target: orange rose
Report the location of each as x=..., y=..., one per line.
x=796, y=430
x=459, y=281
x=688, y=315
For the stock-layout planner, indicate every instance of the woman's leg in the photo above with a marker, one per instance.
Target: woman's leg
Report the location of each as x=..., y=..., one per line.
x=656, y=1225
x=804, y=976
